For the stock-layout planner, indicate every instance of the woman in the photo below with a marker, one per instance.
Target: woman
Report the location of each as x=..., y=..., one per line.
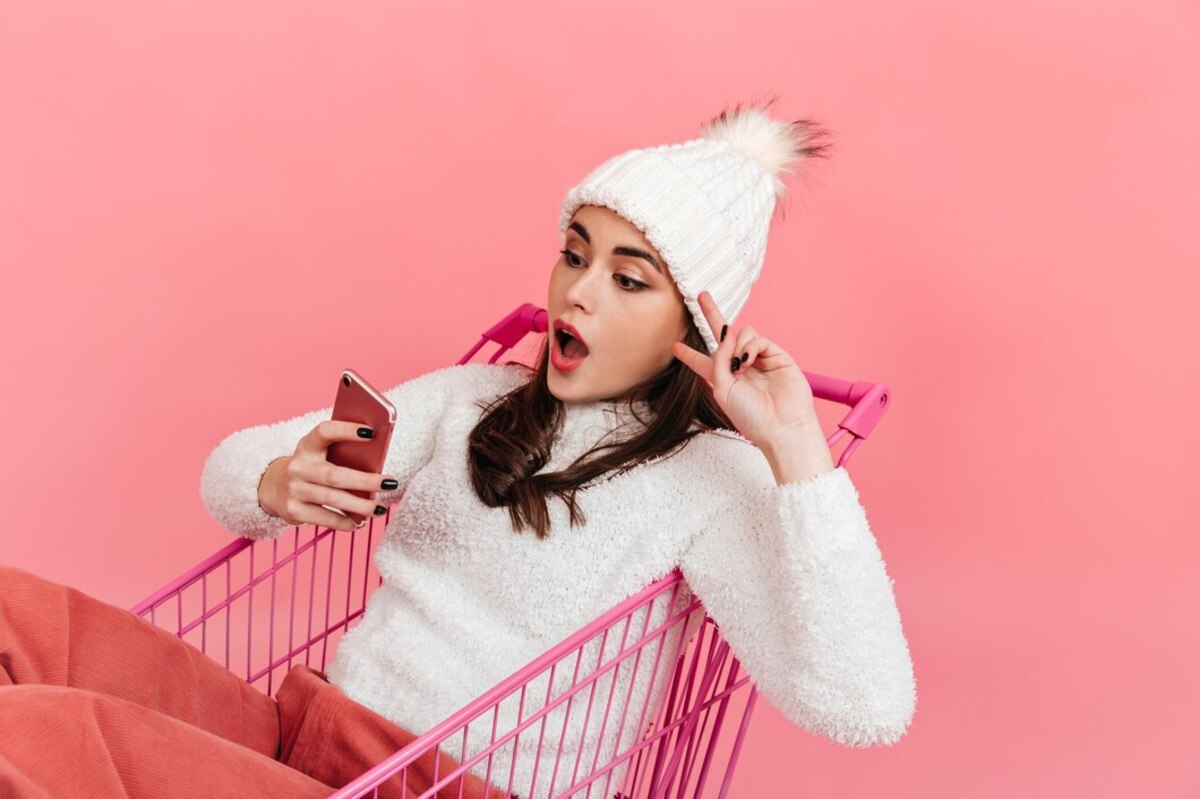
x=650, y=435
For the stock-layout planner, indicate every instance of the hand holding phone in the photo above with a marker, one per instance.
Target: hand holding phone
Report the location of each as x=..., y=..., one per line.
x=359, y=402
x=302, y=488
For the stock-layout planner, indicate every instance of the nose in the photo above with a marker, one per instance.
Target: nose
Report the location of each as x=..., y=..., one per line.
x=582, y=290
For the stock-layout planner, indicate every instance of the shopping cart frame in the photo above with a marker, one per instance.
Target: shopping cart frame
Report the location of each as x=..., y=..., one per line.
x=676, y=755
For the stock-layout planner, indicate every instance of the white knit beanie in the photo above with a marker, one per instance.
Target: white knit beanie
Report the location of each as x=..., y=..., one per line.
x=706, y=205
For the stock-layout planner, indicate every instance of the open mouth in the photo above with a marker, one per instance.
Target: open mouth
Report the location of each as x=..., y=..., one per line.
x=570, y=350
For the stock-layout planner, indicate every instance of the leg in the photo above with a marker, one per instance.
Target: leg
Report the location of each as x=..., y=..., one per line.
x=66, y=742
x=52, y=634
x=332, y=738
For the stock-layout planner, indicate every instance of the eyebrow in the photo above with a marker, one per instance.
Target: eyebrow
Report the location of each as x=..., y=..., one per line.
x=634, y=251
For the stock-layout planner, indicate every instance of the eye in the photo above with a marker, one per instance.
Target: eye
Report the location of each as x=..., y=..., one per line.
x=570, y=255
x=635, y=285
x=630, y=284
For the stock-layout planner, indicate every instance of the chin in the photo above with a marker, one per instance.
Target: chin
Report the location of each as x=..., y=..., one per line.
x=565, y=390
x=558, y=392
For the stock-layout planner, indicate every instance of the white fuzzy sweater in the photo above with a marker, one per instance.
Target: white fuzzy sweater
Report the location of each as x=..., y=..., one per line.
x=792, y=574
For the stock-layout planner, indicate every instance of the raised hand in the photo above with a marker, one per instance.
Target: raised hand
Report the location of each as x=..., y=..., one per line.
x=758, y=385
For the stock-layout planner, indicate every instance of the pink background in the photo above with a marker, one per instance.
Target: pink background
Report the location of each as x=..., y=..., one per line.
x=208, y=209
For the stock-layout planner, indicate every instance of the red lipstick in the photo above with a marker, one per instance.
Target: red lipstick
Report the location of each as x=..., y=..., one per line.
x=559, y=357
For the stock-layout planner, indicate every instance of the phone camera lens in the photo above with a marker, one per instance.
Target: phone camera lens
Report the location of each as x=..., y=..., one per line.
x=345, y=381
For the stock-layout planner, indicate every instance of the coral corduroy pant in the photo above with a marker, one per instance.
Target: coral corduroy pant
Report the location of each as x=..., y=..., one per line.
x=97, y=702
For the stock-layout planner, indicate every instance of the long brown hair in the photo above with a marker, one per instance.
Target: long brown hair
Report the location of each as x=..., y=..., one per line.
x=512, y=439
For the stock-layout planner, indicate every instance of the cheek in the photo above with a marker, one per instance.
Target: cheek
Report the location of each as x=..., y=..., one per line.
x=559, y=277
x=552, y=285
x=669, y=322
x=649, y=334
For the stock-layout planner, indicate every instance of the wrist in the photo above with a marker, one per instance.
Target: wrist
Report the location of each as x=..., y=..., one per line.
x=799, y=454
x=264, y=484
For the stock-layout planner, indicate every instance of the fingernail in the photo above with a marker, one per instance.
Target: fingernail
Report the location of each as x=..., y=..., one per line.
x=380, y=510
x=366, y=432
x=737, y=364
x=389, y=484
x=745, y=357
x=723, y=329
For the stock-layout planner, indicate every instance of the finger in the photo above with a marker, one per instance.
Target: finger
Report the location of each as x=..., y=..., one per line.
x=745, y=337
x=766, y=353
x=698, y=362
x=716, y=320
x=722, y=374
x=336, y=498
x=306, y=513
x=317, y=440
x=315, y=469
x=751, y=352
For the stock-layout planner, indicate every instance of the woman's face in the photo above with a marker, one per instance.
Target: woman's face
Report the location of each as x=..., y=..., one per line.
x=617, y=292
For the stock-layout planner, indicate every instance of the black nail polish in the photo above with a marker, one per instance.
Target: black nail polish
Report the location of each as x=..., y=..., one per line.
x=389, y=484
x=724, y=328
x=736, y=364
x=366, y=432
x=745, y=357
x=380, y=510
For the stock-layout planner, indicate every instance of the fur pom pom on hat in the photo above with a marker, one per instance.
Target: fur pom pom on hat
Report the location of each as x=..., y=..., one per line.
x=706, y=204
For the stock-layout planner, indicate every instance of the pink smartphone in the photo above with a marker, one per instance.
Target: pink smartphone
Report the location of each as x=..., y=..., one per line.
x=358, y=401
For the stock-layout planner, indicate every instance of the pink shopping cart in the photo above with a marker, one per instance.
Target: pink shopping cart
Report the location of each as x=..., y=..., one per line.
x=312, y=585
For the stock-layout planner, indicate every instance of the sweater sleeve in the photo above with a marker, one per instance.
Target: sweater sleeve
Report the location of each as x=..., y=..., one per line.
x=796, y=583
x=231, y=474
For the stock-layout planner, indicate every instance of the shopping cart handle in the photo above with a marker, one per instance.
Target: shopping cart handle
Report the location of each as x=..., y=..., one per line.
x=512, y=328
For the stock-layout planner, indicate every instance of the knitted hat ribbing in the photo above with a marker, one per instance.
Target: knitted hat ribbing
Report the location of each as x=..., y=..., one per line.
x=706, y=204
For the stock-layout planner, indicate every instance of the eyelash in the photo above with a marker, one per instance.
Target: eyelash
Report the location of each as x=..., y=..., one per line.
x=637, y=283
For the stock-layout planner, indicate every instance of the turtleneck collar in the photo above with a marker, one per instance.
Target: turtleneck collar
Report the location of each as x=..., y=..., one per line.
x=595, y=418
x=587, y=424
